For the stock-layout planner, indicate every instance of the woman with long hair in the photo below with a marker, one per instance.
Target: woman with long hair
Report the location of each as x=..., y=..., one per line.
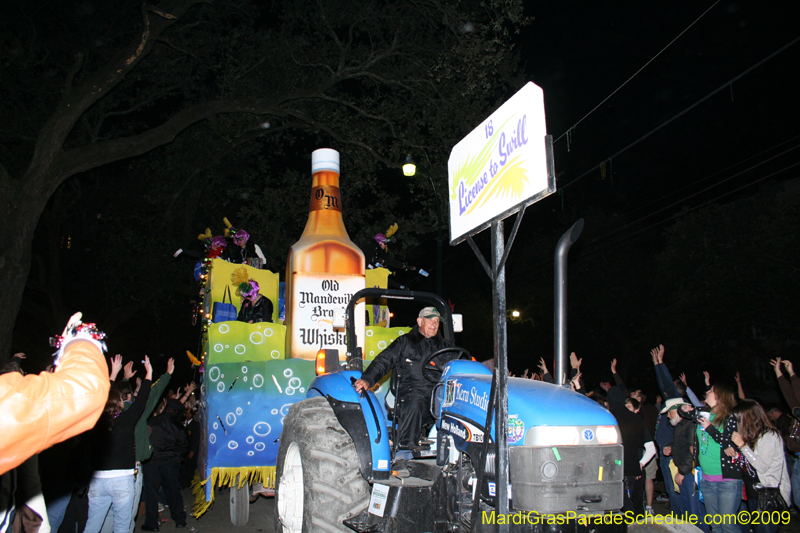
x=114, y=452
x=721, y=484
x=762, y=447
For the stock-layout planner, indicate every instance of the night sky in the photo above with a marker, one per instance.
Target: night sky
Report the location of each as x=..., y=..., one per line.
x=580, y=53
x=668, y=144
x=627, y=162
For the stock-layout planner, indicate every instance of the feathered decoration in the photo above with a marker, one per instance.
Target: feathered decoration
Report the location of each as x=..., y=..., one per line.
x=241, y=280
x=228, y=227
x=392, y=230
x=205, y=237
x=192, y=358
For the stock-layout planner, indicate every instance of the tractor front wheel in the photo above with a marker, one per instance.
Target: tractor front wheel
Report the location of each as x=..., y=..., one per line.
x=319, y=482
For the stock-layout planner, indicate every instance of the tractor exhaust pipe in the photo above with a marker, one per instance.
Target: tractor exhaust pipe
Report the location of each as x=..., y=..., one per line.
x=560, y=311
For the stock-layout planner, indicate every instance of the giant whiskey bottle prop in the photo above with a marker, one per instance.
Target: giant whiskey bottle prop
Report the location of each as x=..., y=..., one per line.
x=325, y=268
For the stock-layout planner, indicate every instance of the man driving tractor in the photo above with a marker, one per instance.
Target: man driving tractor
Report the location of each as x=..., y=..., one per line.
x=405, y=357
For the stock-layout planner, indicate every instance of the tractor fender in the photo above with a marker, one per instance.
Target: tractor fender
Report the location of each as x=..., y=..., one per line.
x=362, y=416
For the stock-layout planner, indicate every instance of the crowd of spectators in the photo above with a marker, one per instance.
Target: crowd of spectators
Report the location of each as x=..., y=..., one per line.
x=717, y=456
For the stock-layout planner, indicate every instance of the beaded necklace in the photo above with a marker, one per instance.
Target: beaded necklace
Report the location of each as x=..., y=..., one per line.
x=704, y=438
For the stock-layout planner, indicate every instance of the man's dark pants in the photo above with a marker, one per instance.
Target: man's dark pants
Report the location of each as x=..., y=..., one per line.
x=166, y=474
x=633, y=498
x=412, y=416
x=690, y=502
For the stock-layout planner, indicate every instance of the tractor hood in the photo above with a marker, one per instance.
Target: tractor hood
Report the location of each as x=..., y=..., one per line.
x=463, y=392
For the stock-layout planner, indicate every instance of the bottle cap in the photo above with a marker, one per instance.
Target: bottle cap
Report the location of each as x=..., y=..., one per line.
x=324, y=159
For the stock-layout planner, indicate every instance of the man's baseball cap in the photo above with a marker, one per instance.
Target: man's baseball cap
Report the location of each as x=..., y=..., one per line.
x=673, y=403
x=429, y=312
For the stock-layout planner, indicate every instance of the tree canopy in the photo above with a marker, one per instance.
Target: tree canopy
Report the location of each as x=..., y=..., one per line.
x=176, y=114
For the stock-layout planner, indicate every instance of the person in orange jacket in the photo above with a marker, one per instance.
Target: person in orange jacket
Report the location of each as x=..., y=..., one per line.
x=37, y=412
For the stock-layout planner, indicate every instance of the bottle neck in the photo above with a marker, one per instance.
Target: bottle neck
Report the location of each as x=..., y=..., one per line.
x=325, y=210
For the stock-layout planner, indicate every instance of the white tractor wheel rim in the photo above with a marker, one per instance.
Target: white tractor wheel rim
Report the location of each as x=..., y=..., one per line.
x=290, y=491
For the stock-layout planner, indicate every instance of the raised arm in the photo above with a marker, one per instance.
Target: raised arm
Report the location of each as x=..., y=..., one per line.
x=128, y=372
x=739, y=388
x=787, y=388
x=116, y=366
x=187, y=391
x=156, y=390
x=665, y=382
x=776, y=366
x=693, y=397
x=38, y=411
x=546, y=375
x=575, y=383
x=575, y=364
x=139, y=405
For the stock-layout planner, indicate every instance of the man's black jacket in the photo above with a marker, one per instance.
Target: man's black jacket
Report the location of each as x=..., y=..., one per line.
x=405, y=356
x=167, y=437
x=682, y=442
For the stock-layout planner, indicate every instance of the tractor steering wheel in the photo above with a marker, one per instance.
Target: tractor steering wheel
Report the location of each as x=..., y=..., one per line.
x=431, y=371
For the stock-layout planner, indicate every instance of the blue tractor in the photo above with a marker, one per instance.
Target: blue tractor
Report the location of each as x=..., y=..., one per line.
x=334, y=460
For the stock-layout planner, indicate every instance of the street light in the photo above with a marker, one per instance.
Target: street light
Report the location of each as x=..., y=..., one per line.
x=516, y=316
x=410, y=169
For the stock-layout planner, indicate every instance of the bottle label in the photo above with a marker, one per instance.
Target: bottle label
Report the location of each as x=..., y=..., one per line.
x=314, y=299
x=325, y=197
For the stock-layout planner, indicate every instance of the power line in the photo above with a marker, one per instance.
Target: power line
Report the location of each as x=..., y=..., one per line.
x=631, y=235
x=658, y=200
x=709, y=95
x=673, y=204
x=637, y=72
x=688, y=211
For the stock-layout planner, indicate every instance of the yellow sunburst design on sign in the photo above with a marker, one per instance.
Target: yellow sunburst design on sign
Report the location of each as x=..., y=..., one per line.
x=509, y=181
x=470, y=169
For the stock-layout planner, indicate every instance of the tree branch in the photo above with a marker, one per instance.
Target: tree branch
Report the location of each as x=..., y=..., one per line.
x=104, y=116
x=246, y=71
x=17, y=135
x=80, y=98
x=94, y=155
x=73, y=71
x=361, y=112
x=335, y=135
x=168, y=43
x=247, y=137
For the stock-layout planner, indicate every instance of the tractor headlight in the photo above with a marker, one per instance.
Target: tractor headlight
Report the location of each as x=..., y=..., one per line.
x=572, y=435
x=607, y=435
x=552, y=436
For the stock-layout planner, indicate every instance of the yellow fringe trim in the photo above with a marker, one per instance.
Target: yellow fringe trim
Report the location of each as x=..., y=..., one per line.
x=227, y=477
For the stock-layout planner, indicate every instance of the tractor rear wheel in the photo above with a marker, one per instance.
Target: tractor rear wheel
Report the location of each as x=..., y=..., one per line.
x=319, y=482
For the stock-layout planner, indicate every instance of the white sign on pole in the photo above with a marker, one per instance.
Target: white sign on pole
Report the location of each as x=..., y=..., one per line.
x=500, y=166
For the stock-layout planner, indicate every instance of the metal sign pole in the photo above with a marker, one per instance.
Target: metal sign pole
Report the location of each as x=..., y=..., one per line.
x=501, y=367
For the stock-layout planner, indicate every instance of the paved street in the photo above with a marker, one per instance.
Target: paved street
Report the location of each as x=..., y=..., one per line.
x=217, y=519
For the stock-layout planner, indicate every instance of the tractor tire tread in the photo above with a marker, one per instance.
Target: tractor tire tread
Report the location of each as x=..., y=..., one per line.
x=332, y=484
